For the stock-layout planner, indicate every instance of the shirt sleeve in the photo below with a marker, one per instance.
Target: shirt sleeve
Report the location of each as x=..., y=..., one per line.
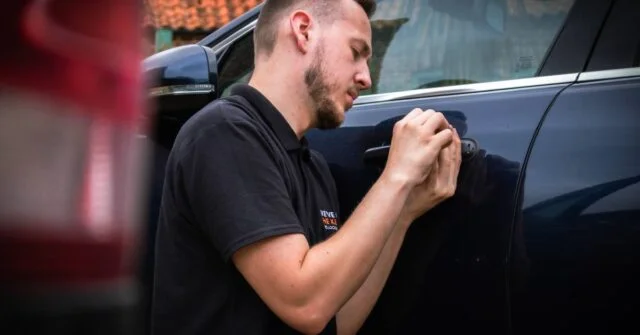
x=235, y=189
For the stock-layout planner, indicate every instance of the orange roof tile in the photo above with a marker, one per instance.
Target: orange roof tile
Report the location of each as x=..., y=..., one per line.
x=194, y=14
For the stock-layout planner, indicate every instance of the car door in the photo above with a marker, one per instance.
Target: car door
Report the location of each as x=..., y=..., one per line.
x=493, y=67
x=580, y=227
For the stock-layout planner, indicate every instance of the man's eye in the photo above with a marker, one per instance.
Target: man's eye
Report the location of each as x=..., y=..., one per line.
x=355, y=52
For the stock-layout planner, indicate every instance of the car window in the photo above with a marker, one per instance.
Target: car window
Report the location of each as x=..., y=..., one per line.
x=237, y=64
x=619, y=43
x=434, y=43
x=449, y=42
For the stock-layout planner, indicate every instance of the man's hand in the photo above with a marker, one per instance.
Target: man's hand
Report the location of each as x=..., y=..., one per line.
x=416, y=143
x=441, y=183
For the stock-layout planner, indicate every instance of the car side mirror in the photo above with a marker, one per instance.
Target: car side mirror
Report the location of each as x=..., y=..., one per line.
x=181, y=80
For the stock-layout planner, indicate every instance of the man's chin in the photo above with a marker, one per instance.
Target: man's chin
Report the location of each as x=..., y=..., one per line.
x=332, y=123
x=331, y=118
x=338, y=117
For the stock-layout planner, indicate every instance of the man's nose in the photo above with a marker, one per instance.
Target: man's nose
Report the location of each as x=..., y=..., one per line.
x=363, y=78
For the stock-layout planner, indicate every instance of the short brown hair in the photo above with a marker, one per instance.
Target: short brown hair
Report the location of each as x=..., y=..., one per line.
x=264, y=36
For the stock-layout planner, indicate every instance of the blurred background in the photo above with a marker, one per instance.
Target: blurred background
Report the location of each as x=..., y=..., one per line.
x=171, y=23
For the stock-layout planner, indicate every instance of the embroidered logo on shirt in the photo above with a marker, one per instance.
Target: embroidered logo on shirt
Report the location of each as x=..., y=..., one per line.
x=329, y=220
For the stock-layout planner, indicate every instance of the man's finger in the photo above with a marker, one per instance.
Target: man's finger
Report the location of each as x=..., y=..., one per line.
x=441, y=139
x=436, y=122
x=447, y=160
x=422, y=118
x=434, y=171
x=413, y=114
x=443, y=155
x=457, y=145
x=457, y=150
x=450, y=163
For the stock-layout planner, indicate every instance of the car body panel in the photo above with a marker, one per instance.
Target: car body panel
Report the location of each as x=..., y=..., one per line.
x=581, y=209
x=451, y=272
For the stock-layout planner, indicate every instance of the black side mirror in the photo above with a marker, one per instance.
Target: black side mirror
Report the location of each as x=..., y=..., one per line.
x=180, y=82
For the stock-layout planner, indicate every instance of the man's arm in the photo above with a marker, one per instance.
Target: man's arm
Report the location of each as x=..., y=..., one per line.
x=353, y=314
x=307, y=286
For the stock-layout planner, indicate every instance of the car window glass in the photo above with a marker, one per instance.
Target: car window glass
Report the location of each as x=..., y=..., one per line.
x=237, y=64
x=433, y=43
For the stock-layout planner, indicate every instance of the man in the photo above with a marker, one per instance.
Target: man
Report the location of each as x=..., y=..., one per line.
x=249, y=240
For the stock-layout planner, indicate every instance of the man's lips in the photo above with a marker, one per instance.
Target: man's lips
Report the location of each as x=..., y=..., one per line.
x=353, y=95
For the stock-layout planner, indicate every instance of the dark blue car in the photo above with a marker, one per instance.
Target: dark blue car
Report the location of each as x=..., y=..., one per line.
x=543, y=234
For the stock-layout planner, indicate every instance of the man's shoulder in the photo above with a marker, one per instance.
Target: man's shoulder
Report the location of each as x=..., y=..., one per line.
x=220, y=111
x=216, y=117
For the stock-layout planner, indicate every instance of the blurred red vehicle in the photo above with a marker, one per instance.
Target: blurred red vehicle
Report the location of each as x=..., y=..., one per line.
x=71, y=107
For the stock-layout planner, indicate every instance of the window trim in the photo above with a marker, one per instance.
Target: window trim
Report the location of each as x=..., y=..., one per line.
x=502, y=85
x=469, y=88
x=229, y=29
x=219, y=48
x=609, y=74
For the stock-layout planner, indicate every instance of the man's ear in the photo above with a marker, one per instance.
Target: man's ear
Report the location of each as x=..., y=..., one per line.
x=301, y=23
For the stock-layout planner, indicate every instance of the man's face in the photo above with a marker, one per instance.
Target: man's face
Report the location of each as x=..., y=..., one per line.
x=339, y=69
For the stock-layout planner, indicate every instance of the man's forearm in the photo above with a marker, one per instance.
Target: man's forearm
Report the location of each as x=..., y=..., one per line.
x=340, y=265
x=353, y=314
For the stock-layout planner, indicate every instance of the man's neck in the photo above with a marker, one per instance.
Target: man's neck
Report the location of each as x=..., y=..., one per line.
x=282, y=90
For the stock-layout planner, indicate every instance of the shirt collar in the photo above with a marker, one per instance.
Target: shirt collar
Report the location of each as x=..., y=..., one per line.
x=274, y=118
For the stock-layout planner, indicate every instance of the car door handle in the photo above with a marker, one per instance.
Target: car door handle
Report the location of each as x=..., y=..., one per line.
x=378, y=155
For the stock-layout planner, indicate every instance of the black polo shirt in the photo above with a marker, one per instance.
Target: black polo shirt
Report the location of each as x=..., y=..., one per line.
x=237, y=174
